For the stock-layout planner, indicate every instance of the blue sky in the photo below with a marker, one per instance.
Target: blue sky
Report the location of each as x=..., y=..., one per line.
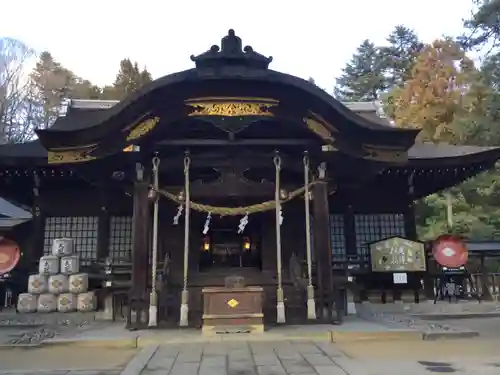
x=306, y=38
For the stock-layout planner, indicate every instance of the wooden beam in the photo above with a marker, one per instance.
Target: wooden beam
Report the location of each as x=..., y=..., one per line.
x=241, y=142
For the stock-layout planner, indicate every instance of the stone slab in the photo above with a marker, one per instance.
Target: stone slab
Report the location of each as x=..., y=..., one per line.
x=139, y=362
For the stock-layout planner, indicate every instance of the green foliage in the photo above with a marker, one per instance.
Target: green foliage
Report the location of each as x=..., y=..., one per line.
x=483, y=27
x=374, y=70
x=363, y=77
x=400, y=55
x=129, y=79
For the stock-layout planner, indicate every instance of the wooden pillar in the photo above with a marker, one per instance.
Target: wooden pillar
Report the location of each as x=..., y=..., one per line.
x=323, y=248
x=139, y=296
x=103, y=230
x=350, y=232
x=411, y=234
x=38, y=228
x=486, y=295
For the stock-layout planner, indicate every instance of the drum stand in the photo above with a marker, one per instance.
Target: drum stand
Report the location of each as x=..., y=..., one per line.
x=449, y=276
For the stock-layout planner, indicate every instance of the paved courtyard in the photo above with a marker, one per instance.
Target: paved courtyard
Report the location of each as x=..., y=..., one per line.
x=302, y=358
x=394, y=357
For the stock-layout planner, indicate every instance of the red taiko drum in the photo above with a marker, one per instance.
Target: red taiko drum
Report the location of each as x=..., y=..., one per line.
x=9, y=255
x=450, y=251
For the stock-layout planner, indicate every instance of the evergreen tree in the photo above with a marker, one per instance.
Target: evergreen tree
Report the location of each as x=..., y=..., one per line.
x=53, y=83
x=129, y=79
x=400, y=54
x=363, y=77
x=483, y=27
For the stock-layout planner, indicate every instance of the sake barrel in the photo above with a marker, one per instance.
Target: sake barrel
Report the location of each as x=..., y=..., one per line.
x=27, y=303
x=78, y=283
x=66, y=302
x=37, y=284
x=86, y=301
x=70, y=264
x=47, y=303
x=58, y=284
x=62, y=247
x=49, y=265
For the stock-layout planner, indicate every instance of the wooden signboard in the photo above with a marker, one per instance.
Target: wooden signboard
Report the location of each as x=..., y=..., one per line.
x=397, y=254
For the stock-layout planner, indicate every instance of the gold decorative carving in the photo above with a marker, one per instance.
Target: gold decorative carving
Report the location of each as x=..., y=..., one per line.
x=231, y=107
x=319, y=128
x=143, y=128
x=385, y=153
x=70, y=156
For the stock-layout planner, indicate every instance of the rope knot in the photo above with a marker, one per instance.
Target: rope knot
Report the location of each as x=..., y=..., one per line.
x=277, y=162
x=156, y=163
x=187, y=162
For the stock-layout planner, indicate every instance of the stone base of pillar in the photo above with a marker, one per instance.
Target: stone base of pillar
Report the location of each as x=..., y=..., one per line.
x=153, y=310
x=311, y=305
x=351, y=305
x=280, y=312
x=108, y=312
x=184, y=309
x=280, y=306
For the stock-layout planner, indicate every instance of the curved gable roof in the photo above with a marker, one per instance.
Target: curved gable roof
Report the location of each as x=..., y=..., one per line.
x=228, y=72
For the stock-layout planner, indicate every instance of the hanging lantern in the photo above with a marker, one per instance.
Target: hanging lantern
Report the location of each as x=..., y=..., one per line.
x=206, y=244
x=246, y=244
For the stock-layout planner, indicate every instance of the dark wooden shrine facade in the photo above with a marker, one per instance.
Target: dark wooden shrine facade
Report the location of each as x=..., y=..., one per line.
x=88, y=177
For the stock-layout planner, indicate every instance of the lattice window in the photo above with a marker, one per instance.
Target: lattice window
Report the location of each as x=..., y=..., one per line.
x=120, y=238
x=338, y=237
x=374, y=227
x=82, y=229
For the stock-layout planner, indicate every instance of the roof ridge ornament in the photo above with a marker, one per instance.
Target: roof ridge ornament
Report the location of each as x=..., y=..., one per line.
x=231, y=53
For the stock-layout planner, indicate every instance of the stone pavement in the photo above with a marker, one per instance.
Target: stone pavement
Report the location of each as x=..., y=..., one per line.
x=61, y=360
x=242, y=358
x=291, y=358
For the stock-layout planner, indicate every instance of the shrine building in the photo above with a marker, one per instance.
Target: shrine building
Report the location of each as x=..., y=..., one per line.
x=250, y=173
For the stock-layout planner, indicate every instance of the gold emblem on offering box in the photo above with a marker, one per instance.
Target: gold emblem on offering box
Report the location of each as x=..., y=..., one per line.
x=231, y=107
x=143, y=128
x=232, y=303
x=36, y=284
x=64, y=301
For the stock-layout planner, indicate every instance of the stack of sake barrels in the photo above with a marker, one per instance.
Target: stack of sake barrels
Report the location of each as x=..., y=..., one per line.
x=58, y=286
